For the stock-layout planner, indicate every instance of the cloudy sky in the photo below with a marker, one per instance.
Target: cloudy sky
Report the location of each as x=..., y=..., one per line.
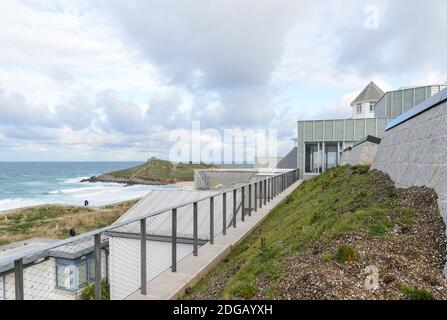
x=110, y=79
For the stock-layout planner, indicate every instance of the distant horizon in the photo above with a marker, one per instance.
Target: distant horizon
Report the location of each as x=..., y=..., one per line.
x=116, y=161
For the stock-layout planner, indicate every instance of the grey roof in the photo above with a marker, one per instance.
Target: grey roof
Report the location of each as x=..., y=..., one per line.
x=159, y=199
x=290, y=161
x=431, y=102
x=160, y=224
x=69, y=251
x=371, y=93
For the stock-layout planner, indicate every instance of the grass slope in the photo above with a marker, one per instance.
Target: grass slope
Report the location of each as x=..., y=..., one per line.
x=55, y=221
x=342, y=201
x=156, y=170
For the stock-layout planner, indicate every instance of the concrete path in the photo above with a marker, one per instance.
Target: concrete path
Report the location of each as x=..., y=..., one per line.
x=190, y=270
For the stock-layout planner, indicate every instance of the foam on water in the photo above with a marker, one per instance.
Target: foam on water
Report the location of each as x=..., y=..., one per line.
x=31, y=184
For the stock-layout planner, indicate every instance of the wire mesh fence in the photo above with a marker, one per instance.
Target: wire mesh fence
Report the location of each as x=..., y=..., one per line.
x=117, y=261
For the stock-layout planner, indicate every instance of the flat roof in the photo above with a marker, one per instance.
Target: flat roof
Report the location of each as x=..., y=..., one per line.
x=431, y=102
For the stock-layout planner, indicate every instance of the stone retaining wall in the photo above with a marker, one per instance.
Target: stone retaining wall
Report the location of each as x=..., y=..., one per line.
x=414, y=153
x=361, y=154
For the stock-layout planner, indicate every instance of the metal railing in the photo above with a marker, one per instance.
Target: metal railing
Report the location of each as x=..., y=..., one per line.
x=170, y=228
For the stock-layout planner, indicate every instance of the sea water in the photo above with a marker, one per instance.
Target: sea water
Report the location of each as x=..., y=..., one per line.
x=24, y=184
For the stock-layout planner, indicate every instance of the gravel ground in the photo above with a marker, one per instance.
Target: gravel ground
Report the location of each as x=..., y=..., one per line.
x=412, y=256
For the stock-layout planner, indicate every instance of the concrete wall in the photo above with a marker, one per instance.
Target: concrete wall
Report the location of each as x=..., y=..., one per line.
x=210, y=179
x=414, y=153
x=266, y=162
x=362, y=154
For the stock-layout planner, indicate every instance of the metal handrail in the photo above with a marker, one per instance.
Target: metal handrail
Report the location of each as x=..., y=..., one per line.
x=60, y=243
x=268, y=191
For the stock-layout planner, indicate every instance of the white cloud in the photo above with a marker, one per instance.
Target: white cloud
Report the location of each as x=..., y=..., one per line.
x=83, y=79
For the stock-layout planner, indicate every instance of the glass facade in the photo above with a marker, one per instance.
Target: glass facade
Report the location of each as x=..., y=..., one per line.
x=321, y=142
x=321, y=156
x=72, y=275
x=312, y=161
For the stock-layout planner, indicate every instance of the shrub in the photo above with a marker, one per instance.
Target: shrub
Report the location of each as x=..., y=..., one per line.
x=360, y=169
x=345, y=253
x=327, y=257
x=417, y=294
x=88, y=293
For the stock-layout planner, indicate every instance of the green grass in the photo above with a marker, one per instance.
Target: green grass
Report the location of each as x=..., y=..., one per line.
x=345, y=253
x=417, y=294
x=55, y=221
x=338, y=202
x=161, y=170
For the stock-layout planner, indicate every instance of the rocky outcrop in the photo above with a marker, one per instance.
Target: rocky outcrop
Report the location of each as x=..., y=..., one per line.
x=126, y=181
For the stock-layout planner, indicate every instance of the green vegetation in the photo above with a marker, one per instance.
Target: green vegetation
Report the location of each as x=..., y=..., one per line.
x=345, y=253
x=417, y=294
x=55, y=221
x=157, y=170
x=88, y=293
x=341, y=201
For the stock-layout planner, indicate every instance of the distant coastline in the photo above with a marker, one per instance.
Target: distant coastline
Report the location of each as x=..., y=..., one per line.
x=153, y=172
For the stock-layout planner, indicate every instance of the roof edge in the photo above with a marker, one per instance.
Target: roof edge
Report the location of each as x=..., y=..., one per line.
x=424, y=106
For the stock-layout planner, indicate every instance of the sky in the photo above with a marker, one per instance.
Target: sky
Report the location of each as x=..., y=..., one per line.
x=97, y=80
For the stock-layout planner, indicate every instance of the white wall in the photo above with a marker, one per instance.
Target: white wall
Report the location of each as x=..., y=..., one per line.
x=365, y=111
x=39, y=283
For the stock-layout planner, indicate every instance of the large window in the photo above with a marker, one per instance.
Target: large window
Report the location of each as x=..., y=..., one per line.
x=317, y=161
x=72, y=275
x=331, y=156
x=312, y=160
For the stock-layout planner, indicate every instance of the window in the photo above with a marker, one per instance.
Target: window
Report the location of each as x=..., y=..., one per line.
x=330, y=157
x=359, y=108
x=372, y=106
x=312, y=158
x=74, y=274
x=65, y=276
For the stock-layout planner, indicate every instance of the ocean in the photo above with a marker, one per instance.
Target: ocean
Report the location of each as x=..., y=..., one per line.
x=24, y=184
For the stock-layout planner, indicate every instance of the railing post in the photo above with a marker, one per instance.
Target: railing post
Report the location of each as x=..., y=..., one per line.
x=261, y=193
x=268, y=190
x=271, y=188
x=98, y=266
x=276, y=186
x=224, y=214
x=174, y=240
x=143, y=257
x=249, y=200
x=234, y=208
x=212, y=220
x=195, y=230
x=18, y=274
x=243, y=204
x=265, y=192
x=256, y=197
